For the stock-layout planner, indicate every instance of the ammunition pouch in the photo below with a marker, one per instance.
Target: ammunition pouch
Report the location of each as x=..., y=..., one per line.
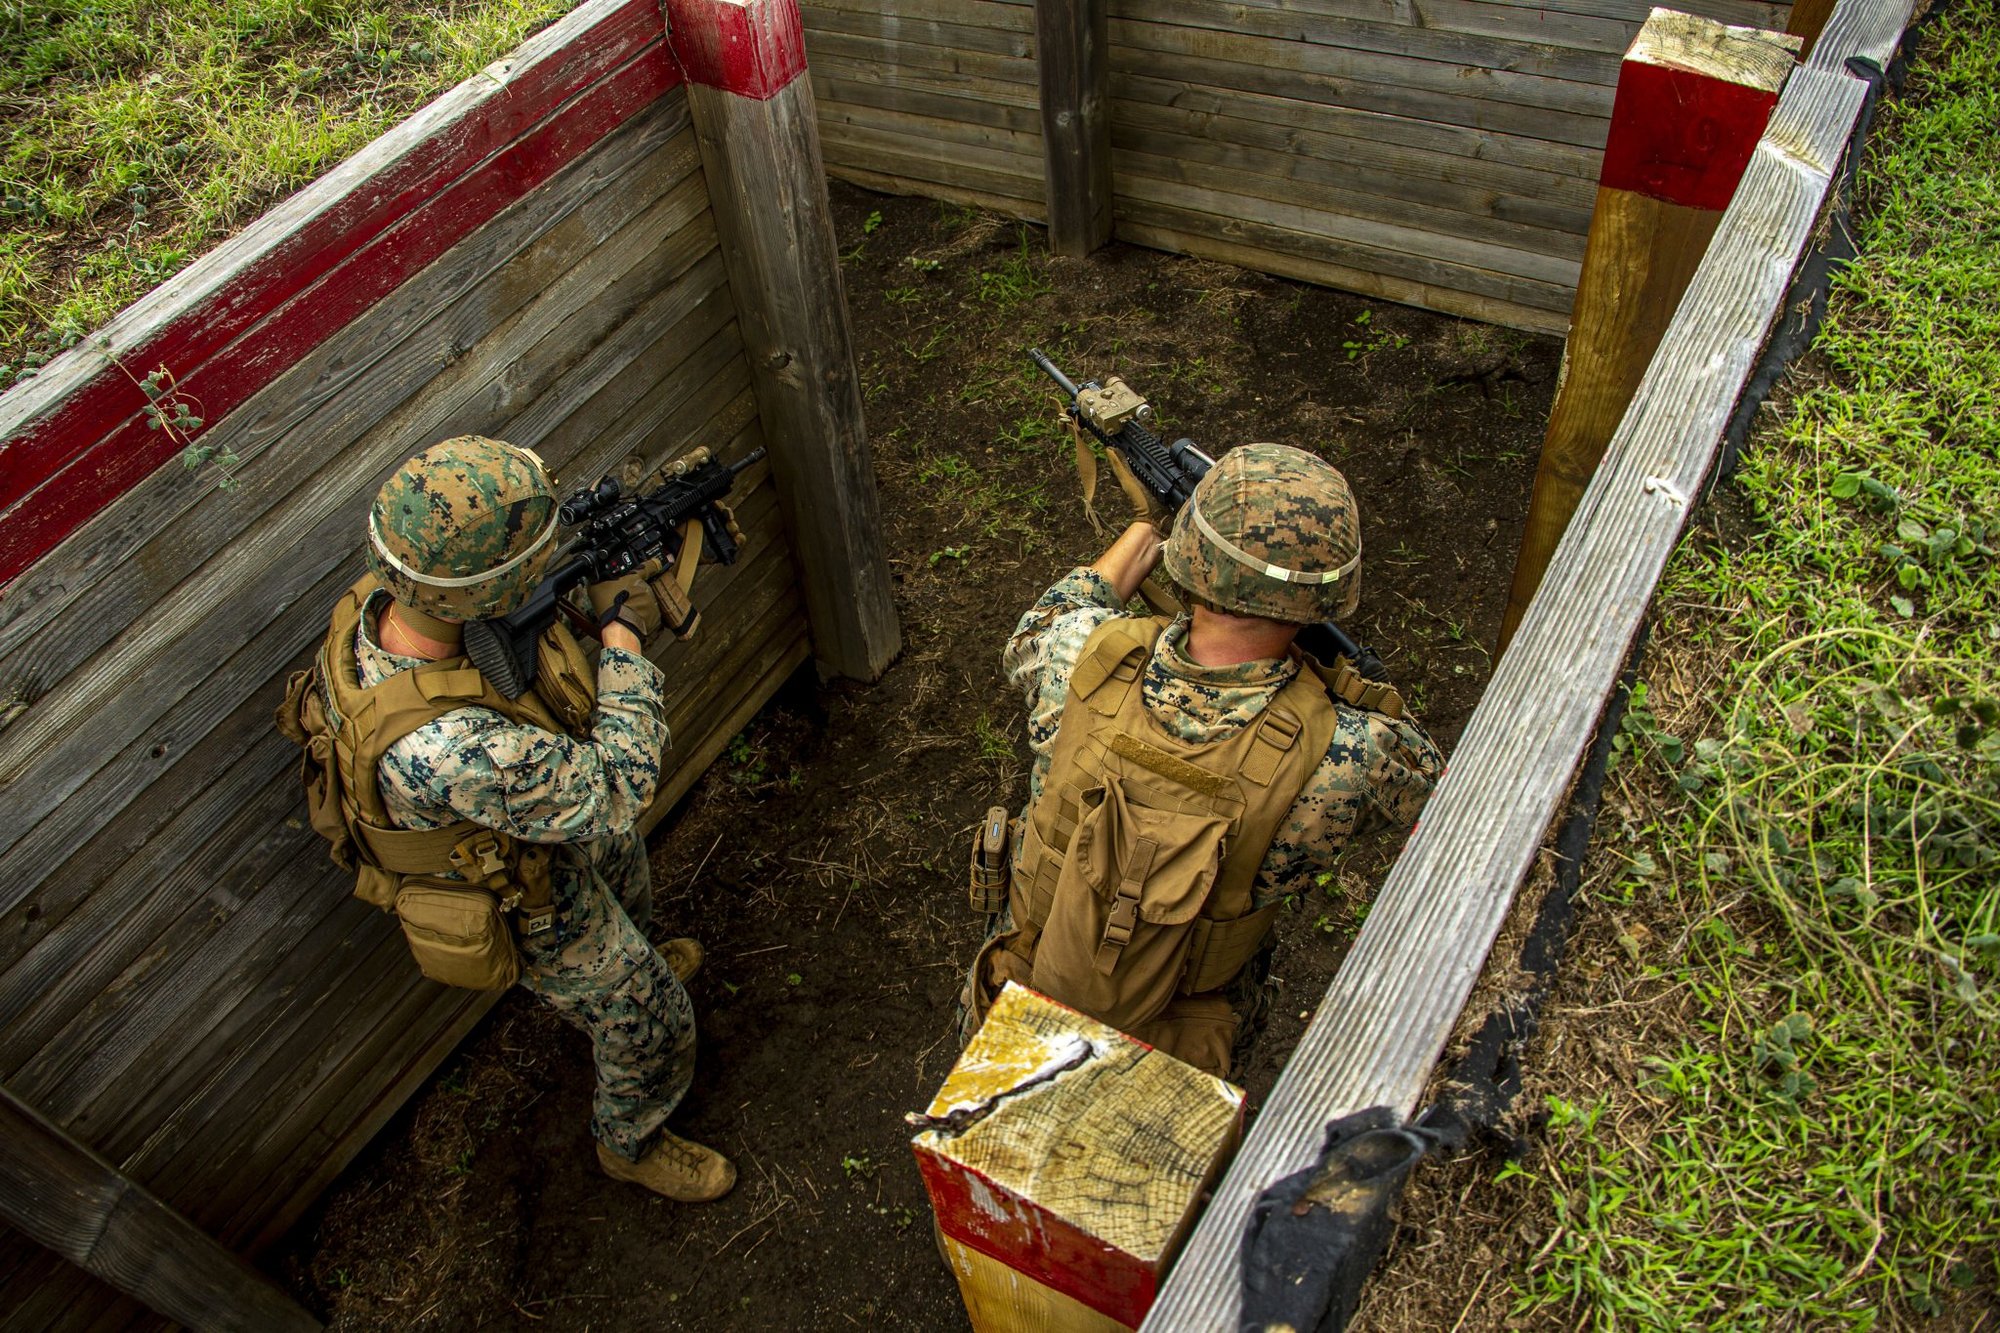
x=992, y=851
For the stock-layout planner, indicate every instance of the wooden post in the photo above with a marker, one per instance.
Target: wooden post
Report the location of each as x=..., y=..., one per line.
x=1072, y=45
x=61, y=1194
x=755, y=119
x=1693, y=97
x=1064, y=1161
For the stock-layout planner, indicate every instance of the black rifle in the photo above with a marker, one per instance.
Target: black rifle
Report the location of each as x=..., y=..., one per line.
x=1116, y=416
x=617, y=534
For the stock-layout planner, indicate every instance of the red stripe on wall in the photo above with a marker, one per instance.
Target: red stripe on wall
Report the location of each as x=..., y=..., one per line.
x=290, y=299
x=753, y=48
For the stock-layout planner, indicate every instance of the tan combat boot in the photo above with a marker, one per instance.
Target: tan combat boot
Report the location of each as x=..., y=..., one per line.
x=683, y=956
x=675, y=1168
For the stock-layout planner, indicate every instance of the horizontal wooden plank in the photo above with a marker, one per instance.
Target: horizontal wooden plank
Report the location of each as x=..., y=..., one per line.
x=73, y=1201
x=1394, y=37
x=918, y=172
x=991, y=160
x=1390, y=1008
x=1526, y=151
x=1419, y=255
x=910, y=62
x=1488, y=217
x=145, y=541
x=833, y=91
x=1011, y=206
x=934, y=129
x=83, y=479
x=1387, y=78
x=894, y=31
x=1748, y=13
x=1005, y=15
x=1288, y=263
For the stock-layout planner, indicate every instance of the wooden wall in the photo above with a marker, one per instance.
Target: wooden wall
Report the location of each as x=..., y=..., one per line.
x=186, y=984
x=931, y=97
x=1442, y=153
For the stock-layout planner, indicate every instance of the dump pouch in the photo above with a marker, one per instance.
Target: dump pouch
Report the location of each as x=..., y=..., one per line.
x=458, y=934
x=1138, y=873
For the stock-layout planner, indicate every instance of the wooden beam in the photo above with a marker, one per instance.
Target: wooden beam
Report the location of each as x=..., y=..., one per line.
x=757, y=125
x=65, y=1196
x=1378, y=1031
x=1072, y=55
x=1693, y=97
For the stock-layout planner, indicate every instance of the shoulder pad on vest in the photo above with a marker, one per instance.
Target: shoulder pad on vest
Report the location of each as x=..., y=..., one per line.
x=1118, y=650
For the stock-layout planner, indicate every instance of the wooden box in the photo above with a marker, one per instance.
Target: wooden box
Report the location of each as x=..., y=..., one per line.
x=1065, y=1162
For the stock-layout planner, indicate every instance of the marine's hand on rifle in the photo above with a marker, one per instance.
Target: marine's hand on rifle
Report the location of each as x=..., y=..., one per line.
x=629, y=601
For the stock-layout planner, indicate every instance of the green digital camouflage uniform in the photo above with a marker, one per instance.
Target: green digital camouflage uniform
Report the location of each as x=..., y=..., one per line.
x=1378, y=771
x=596, y=968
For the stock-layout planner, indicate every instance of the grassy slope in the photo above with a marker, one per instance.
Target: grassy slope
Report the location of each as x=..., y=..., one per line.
x=1812, y=793
x=136, y=134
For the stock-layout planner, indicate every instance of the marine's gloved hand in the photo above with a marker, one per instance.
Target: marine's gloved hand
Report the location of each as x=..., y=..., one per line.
x=630, y=600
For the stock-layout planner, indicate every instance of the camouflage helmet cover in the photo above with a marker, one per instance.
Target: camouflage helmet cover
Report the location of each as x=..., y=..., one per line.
x=1271, y=531
x=465, y=529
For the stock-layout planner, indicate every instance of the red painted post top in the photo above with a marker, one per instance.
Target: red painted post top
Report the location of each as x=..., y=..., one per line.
x=1693, y=98
x=753, y=48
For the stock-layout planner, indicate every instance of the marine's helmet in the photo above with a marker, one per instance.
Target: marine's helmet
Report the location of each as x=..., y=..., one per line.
x=1271, y=531
x=464, y=530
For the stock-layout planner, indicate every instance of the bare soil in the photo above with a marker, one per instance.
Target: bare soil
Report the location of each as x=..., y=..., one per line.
x=820, y=859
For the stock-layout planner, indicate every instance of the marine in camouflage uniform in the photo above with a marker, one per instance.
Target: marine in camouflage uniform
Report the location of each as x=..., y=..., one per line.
x=463, y=531
x=1291, y=511
x=596, y=968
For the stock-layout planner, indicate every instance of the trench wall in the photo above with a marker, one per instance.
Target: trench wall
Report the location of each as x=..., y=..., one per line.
x=1441, y=153
x=186, y=985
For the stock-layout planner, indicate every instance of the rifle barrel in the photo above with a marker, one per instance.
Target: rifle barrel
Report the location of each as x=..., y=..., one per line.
x=1063, y=381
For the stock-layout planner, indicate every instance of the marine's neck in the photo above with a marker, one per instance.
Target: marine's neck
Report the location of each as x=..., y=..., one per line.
x=1218, y=639
x=408, y=632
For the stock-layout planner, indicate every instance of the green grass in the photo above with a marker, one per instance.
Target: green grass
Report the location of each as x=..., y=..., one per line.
x=1816, y=835
x=136, y=134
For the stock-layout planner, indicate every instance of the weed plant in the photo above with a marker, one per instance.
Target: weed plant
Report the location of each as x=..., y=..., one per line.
x=137, y=134
x=1822, y=1147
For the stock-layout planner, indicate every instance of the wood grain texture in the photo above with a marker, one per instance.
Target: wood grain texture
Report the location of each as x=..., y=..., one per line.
x=1073, y=59
x=762, y=160
x=67, y=1197
x=1387, y=1014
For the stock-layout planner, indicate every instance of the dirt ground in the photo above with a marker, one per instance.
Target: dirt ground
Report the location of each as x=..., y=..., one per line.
x=819, y=860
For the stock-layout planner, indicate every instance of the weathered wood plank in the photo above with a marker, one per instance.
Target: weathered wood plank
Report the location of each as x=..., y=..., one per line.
x=1407, y=252
x=964, y=159
x=762, y=158
x=1462, y=108
x=1288, y=262
x=1387, y=76
x=1005, y=15
x=1333, y=186
x=916, y=171
x=893, y=182
x=1526, y=151
x=1297, y=25
x=70, y=1199
x=840, y=97
x=1383, y=167
x=917, y=127
x=901, y=28
x=916, y=62
x=1390, y=1008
